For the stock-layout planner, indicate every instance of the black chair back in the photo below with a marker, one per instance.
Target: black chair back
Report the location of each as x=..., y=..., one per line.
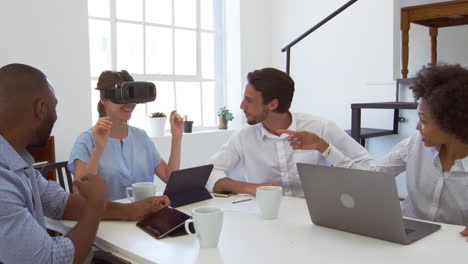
x=65, y=180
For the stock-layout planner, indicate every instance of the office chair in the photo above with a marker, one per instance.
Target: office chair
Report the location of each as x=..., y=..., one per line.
x=65, y=181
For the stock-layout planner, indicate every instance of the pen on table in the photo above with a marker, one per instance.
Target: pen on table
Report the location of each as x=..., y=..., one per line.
x=240, y=201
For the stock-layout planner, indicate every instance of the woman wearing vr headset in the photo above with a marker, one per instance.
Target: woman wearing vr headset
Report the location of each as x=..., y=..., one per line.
x=120, y=153
x=435, y=159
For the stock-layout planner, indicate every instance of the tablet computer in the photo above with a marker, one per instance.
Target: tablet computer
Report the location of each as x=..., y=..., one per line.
x=187, y=186
x=164, y=222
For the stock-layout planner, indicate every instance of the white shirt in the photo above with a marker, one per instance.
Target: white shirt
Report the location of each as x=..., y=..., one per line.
x=433, y=195
x=268, y=158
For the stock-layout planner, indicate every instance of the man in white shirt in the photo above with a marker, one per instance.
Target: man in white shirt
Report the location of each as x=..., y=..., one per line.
x=264, y=154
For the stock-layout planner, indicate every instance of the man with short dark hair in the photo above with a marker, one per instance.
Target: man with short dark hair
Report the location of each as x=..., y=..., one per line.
x=27, y=115
x=264, y=154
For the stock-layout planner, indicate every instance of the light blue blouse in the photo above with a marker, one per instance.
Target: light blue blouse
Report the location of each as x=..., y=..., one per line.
x=120, y=165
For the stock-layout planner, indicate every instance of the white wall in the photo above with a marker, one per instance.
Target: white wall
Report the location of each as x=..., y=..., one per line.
x=52, y=35
x=256, y=34
x=232, y=47
x=332, y=66
x=197, y=147
x=248, y=47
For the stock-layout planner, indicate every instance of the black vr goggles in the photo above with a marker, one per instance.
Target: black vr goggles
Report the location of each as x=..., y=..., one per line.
x=130, y=93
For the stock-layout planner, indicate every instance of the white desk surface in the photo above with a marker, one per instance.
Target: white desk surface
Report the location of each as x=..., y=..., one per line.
x=292, y=238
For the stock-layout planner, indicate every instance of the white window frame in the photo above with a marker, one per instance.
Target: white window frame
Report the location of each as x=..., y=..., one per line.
x=219, y=63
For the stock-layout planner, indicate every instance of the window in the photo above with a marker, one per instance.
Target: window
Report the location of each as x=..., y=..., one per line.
x=177, y=44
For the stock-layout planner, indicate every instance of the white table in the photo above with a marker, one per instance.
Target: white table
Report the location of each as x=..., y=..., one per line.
x=292, y=238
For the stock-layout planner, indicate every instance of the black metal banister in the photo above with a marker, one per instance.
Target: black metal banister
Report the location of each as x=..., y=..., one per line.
x=287, y=48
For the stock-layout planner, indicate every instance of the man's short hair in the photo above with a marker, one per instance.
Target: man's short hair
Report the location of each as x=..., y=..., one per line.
x=19, y=85
x=17, y=78
x=18, y=68
x=444, y=88
x=273, y=84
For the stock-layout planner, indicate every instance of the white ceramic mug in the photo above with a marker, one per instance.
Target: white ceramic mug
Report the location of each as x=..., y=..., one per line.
x=208, y=222
x=269, y=200
x=140, y=191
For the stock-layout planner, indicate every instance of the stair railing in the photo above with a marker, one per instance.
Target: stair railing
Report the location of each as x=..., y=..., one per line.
x=288, y=47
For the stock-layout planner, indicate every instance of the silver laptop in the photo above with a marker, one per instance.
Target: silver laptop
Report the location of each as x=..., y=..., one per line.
x=360, y=202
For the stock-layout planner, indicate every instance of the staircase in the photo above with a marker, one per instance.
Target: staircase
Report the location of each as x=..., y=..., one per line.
x=360, y=134
x=357, y=132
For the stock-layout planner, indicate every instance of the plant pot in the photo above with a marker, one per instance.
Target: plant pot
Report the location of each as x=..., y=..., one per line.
x=222, y=122
x=157, y=125
x=188, y=126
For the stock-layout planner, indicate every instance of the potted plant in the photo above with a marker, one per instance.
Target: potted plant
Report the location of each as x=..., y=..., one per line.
x=157, y=122
x=187, y=125
x=224, y=115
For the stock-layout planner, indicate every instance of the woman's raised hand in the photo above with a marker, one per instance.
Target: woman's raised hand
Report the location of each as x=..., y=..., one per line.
x=101, y=131
x=177, y=124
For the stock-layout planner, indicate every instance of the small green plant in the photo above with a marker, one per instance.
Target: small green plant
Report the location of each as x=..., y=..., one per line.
x=223, y=111
x=157, y=114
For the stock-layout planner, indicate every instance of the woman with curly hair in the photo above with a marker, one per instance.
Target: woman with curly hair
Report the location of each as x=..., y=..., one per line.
x=435, y=159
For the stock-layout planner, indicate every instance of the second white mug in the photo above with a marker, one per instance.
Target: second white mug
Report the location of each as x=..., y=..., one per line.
x=140, y=191
x=208, y=222
x=269, y=201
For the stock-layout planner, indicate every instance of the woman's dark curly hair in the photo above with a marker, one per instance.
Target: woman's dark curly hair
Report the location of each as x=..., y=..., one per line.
x=444, y=89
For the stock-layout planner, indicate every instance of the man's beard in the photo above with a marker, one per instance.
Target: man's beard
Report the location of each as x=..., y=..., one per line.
x=260, y=118
x=43, y=133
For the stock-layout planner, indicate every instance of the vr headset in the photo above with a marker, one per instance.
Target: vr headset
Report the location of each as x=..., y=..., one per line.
x=130, y=92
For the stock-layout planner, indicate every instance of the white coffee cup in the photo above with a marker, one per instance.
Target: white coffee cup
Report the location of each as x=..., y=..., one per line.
x=269, y=200
x=140, y=191
x=208, y=222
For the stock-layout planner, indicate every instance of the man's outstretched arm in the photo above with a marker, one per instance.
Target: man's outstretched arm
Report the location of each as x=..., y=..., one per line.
x=228, y=185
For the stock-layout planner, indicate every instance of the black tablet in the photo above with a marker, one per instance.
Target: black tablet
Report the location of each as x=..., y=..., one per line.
x=187, y=186
x=164, y=222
